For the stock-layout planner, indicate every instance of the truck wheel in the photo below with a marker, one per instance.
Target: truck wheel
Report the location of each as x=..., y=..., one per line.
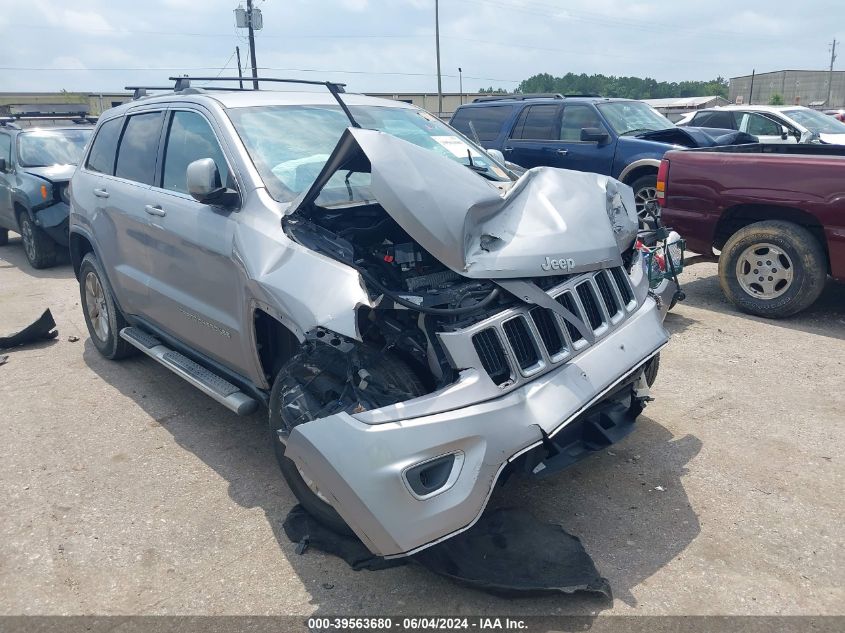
x=39, y=248
x=4, y=237
x=645, y=196
x=651, y=368
x=772, y=268
x=102, y=316
x=315, y=384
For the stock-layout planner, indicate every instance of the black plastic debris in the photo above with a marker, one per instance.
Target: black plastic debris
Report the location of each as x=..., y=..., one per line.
x=42, y=329
x=508, y=552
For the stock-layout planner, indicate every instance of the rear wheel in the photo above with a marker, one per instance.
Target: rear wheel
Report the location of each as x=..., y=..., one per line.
x=772, y=268
x=102, y=316
x=39, y=247
x=319, y=382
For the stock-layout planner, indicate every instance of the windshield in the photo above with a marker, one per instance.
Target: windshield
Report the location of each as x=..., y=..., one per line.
x=290, y=144
x=43, y=148
x=631, y=117
x=816, y=121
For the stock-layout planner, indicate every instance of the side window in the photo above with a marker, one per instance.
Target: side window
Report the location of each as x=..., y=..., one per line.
x=6, y=147
x=537, y=122
x=724, y=120
x=575, y=118
x=189, y=138
x=487, y=121
x=136, y=157
x=761, y=126
x=102, y=155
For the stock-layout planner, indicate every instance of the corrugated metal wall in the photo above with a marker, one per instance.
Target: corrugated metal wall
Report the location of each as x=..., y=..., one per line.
x=795, y=86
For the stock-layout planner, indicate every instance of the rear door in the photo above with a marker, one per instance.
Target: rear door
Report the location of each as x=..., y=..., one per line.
x=487, y=123
x=197, y=289
x=533, y=137
x=114, y=189
x=573, y=153
x=721, y=119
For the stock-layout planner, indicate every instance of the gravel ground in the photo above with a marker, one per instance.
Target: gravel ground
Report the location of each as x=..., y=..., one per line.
x=126, y=491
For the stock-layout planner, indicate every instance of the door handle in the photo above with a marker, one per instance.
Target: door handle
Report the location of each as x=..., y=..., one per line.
x=507, y=149
x=101, y=193
x=562, y=152
x=155, y=210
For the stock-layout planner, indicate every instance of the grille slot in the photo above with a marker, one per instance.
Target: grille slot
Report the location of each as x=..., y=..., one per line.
x=522, y=342
x=621, y=280
x=607, y=294
x=568, y=302
x=546, y=324
x=591, y=305
x=492, y=356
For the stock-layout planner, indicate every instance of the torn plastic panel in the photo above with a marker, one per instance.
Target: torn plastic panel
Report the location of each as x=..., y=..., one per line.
x=550, y=222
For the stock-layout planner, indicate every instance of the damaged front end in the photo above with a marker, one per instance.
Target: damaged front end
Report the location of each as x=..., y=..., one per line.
x=500, y=313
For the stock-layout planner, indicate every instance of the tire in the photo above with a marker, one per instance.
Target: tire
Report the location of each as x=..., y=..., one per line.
x=39, y=248
x=102, y=316
x=332, y=378
x=651, y=368
x=4, y=237
x=788, y=276
x=645, y=189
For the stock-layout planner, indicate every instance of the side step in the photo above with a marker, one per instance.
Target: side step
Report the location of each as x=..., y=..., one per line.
x=208, y=382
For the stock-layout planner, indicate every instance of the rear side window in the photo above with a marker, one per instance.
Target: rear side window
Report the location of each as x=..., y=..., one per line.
x=487, y=121
x=537, y=122
x=136, y=158
x=724, y=120
x=190, y=138
x=101, y=157
x=759, y=125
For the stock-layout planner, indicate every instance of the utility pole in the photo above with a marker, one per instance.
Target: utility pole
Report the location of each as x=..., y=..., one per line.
x=751, y=91
x=249, y=15
x=461, y=83
x=830, y=74
x=240, y=70
x=437, y=43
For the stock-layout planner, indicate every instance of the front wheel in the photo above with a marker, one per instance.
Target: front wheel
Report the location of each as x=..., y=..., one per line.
x=317, y=383
x=102, y=316
x=39, y=248
x=645, y=197
x=772, y=269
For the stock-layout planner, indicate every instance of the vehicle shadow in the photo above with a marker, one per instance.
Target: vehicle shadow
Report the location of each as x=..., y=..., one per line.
x=705, y=292
x=609, y=501
x=13, y=253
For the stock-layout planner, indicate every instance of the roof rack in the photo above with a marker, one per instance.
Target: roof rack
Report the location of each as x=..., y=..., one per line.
x=79, y=118
x=520, y=97
x=183, y=84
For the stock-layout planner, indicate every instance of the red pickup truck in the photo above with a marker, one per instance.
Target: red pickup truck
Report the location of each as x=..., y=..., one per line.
x=776, y=213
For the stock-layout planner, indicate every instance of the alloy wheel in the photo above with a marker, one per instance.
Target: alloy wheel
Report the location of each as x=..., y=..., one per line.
x=95, y=304
x=764, y=271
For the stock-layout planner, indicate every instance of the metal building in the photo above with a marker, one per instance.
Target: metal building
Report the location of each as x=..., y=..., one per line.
x=674, y=107
x=801, y=87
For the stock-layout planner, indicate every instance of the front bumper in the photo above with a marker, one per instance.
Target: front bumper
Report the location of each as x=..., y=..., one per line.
x=54, y=220
x=361, y=467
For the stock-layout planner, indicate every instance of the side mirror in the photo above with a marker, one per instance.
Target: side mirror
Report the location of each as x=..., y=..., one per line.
x=496, y=155
x=2, y=164
x=784, y=132
x=204, y=184
x=594, y=135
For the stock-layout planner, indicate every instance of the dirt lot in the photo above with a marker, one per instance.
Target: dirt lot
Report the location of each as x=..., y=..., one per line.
x=125, y=491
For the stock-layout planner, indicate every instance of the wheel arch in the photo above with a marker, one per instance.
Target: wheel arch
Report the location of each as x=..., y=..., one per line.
x=275, y=342
x=739, y=216
x=79, y=245
x=638, y=169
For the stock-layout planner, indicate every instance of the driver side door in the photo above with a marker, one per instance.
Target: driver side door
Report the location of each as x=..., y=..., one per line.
x=765, y=128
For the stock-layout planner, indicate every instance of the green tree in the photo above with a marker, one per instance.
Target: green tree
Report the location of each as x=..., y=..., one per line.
x=776, y=99
x=630, y=87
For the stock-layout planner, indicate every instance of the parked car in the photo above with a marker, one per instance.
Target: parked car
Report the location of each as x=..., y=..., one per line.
x=774, y=124
x=36, y=164
x=776, y=213
x=415, y=319
x=839, y=114
x=621, y=138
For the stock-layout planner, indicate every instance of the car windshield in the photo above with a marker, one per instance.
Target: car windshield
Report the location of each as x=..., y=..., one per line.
x=43, y=148
x=631, y=117
x=816, y=121
x=290, y=144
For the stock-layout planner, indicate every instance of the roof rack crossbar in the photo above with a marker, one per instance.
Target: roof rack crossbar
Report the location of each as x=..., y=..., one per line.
x=333, y=87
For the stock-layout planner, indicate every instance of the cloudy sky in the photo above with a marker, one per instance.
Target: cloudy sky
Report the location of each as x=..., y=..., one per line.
x=388, y=45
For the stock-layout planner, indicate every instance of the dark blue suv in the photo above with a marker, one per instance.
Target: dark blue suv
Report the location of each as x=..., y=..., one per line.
x=617, y=137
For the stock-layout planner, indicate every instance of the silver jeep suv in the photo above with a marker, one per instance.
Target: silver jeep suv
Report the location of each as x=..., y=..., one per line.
x=415, y=318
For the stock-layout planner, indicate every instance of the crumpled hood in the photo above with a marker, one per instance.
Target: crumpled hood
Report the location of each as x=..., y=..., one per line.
x=53, y=173
x=550, y=222
x=698, y=137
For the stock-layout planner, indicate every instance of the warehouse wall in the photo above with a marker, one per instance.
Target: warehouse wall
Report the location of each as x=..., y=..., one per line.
x=806, y=85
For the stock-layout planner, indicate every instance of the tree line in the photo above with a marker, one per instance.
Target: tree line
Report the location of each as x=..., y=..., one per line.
x=612, y=86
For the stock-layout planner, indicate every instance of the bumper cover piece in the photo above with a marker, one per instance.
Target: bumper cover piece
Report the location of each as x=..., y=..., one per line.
x=360, y=466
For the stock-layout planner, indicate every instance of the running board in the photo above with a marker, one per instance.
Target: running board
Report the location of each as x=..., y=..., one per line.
x=208, y=382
